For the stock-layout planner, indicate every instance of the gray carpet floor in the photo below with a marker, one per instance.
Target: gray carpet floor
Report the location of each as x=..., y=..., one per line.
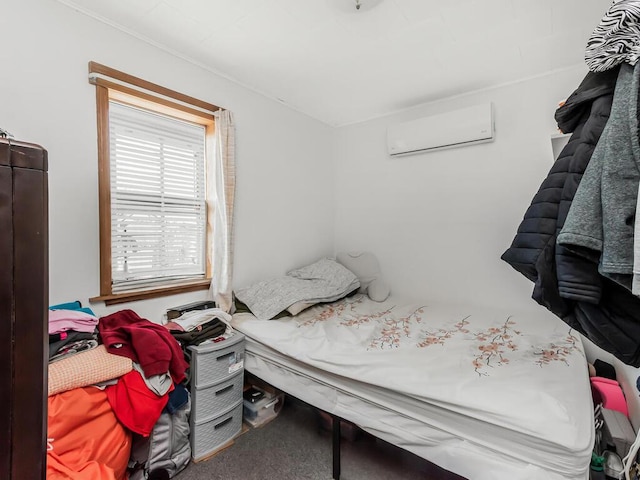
x=294, y=446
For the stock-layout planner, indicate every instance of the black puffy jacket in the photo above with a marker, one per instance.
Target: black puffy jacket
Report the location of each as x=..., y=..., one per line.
x=533, y=250
x=603, y=311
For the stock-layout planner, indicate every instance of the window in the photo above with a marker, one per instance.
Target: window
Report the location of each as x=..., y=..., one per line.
x=153, y=159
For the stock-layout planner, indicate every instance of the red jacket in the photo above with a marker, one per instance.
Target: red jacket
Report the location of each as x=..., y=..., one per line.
x=149, y=344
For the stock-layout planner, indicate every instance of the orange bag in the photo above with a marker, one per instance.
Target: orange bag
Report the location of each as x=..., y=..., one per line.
x=85, y=441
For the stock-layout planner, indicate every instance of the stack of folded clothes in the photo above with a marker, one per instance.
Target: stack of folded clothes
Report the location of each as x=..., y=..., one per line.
x=72, y=330
x=197, y=326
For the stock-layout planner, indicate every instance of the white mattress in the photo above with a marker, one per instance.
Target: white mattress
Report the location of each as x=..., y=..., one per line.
x=484, y=394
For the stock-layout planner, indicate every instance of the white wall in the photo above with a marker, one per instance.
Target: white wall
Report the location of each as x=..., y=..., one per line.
x=284, y=191
x=439, y=221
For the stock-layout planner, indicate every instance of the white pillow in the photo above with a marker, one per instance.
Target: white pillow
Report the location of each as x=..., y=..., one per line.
x=365, y=266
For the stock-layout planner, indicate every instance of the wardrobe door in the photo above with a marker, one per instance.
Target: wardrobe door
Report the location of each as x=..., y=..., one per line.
x=31, y=329
x=24, y=297
x=6, y=319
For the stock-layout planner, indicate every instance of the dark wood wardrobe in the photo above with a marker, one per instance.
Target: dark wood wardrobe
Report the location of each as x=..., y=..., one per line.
x=24, y=298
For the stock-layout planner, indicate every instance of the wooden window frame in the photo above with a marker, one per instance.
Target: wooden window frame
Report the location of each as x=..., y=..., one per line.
x=134, y=91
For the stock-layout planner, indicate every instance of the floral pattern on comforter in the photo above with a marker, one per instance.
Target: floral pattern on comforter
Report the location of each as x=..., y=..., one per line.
x=489, y=346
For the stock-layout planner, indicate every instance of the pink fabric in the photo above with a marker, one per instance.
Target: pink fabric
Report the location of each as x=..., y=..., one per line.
x=610, y=394
x=173, y=326
x=62, y=320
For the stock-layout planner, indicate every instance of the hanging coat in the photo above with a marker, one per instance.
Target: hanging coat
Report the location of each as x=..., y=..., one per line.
x=533, y=250
x=608, y=315
x=600, y=224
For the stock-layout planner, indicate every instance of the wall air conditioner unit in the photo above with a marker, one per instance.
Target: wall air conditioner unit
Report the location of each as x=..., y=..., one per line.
x=467, y=126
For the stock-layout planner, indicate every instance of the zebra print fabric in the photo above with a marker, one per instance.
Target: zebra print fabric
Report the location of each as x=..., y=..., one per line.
x=617, y=38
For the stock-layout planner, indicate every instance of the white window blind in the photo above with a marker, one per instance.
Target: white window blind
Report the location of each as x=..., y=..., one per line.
x=158, y=209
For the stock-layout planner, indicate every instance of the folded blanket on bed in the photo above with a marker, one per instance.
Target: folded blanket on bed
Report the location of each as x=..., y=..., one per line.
x=323, y=281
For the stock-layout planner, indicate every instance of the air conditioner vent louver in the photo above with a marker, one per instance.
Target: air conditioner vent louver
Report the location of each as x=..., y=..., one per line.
x=467, y=126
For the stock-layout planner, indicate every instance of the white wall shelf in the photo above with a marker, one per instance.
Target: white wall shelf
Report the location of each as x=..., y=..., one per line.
x=558, y=141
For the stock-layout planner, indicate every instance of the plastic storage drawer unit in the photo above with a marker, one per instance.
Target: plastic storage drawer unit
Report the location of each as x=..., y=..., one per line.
x=217, y=374
x=210, y=435
x=214, y=362
x=217, y=398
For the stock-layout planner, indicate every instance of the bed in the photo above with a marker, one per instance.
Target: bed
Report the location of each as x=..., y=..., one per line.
x=483, y=393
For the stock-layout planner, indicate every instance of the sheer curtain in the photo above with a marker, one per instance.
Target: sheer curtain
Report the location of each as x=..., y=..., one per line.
x=223, y=177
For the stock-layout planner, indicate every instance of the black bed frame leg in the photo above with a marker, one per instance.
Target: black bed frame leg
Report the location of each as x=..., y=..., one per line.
x=336, y=447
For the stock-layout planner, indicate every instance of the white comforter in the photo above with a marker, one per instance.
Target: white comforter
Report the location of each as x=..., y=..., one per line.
x=513, y=383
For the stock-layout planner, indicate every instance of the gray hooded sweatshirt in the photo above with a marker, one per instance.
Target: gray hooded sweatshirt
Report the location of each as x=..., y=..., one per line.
x=600, y=222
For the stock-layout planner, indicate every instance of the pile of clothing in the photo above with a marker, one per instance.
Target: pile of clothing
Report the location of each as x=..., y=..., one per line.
x=197, y=326
x=139, y=396
x=140, y=369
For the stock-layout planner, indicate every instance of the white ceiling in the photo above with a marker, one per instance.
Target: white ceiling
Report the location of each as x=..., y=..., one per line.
x=342, y=65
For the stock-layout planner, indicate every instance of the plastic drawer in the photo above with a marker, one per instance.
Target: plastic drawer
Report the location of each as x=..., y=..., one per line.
x=209, y=402
x=215, y=362
x=207, y=437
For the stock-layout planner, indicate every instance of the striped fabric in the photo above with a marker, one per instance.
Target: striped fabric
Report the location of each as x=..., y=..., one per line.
x=616, y=39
